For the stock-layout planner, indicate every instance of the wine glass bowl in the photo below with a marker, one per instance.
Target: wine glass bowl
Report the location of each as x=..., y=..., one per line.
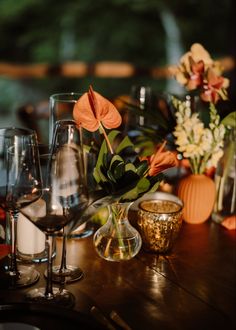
x=61, y=197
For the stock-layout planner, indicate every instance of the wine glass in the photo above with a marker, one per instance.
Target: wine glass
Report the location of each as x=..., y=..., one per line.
x=62, y=201
x=20, y=185
x=61, y=107
x=67, y=134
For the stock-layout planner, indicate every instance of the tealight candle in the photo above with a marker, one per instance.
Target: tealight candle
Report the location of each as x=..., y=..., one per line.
x=159, y=220
x=30, y=240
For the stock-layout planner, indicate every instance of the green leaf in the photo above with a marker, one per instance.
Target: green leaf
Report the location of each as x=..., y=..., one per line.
x=130, y=167
x=105, y=162
x=111, y=176
x=98, y=175
x=141, y=187
x=155, y=187
x=118, y=169
x=143, y=184
x=112, y=135
x=142, y=167
x=125, y=143
x=230, y=120
x=116, y=159
x=103, y=150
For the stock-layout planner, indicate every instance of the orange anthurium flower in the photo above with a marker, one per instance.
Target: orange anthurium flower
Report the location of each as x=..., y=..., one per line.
x=160, y=161
x=92, y=109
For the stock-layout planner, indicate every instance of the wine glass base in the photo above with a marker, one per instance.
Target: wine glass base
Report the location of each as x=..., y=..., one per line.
x=60, y=297
x=68, y=275
x=27, y=276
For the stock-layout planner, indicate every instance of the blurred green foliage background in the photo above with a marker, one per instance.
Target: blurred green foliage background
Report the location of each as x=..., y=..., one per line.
x=147, y=33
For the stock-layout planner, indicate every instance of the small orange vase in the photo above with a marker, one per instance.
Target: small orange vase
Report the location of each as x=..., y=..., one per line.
x=197, y=191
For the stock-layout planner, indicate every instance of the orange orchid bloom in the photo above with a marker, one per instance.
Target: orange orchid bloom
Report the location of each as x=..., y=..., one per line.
x=160, y=161
x=213, y=87
x=92, y=110
x=198, y=71
x=196, y=75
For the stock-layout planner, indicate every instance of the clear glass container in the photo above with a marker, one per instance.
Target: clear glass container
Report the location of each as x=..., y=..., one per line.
x=225, y=180
x=117, y=240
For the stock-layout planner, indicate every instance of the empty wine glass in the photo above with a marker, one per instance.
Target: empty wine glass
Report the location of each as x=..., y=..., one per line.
x=20, y=185
x=61, y=107
x=67, y=134
x=62, y=201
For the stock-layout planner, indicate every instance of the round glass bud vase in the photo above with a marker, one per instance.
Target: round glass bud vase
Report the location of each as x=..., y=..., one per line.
x=117, y=240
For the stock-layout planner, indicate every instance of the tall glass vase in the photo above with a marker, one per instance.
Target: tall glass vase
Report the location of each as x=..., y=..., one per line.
x=117, y=240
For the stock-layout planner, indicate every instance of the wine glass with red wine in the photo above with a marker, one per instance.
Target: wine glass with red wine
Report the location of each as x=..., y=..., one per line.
x=20, y=185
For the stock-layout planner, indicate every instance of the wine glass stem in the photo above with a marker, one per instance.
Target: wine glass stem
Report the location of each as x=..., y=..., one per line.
x=13, y=223
x=49, y=247
x=63, y=255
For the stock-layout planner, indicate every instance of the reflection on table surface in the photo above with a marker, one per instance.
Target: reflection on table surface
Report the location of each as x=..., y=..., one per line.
x=193, y=287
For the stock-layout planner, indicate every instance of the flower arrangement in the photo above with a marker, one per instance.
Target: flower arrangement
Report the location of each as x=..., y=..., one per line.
x=198, y=72
x=121, y=174
x=119, y=171
x=201, y=144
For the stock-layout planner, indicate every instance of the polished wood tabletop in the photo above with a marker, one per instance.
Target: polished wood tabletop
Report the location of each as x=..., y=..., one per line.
x=193, y=287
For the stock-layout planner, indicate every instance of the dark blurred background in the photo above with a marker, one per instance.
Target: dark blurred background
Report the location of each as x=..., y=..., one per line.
x=146, y=33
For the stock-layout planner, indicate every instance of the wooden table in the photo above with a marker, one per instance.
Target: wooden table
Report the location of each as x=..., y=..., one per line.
x=194, y=287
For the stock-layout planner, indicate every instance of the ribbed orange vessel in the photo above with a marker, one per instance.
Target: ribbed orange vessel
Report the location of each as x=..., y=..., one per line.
x=197, y=191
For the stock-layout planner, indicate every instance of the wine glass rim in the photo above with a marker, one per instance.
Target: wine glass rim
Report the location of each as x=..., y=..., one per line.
x=65, y=96
x=18, y=131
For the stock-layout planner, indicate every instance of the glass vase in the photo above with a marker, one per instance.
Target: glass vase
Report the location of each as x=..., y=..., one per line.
x=225, y=180
x=117, y=240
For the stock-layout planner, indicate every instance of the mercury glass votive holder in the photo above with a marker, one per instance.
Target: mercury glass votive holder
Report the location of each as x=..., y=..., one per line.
x=159, y=221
